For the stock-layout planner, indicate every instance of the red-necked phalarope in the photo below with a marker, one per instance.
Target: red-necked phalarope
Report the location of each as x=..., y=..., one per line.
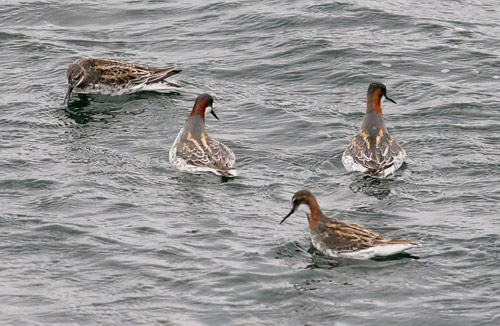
x=113, y=77
x=194, y=151
x=338, y=239
x=373, y=150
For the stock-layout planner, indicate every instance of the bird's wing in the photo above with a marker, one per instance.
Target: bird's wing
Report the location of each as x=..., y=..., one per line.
x=117, y=72
x=159, y=74
x=374, y=153
x=350, y=237
x=360, y=150
x=210, y=153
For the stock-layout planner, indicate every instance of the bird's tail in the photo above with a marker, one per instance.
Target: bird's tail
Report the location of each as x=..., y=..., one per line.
x=413, y=242
x=163, y=73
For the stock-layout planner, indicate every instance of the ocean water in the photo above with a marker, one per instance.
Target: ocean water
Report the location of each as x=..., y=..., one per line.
x=96, y=227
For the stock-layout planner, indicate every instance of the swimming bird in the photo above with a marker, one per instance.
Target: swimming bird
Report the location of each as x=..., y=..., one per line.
x=373, y=150
x=194, y=151
x=114, y=77
x=338, y=239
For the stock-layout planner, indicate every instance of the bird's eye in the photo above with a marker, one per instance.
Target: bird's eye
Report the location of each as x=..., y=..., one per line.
x=295, y=201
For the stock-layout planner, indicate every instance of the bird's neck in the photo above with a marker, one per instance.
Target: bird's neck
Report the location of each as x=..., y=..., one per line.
x=197, y=112
x=373, y=102
x=315, y=215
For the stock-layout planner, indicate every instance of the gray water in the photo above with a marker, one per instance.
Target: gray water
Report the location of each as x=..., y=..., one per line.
x=96, y=227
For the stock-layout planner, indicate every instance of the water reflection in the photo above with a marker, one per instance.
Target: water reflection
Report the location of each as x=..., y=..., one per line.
x=84, y=108
x=320, y=261
x=401, y=255
x=76, y=110
x=376, y=187
x=371, y=186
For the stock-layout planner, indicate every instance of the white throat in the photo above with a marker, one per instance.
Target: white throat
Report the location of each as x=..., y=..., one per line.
x=208, y=109
x=304, y=208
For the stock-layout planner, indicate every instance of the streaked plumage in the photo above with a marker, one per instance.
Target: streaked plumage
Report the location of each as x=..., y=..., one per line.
x=194, y=151
x=339, y=239
x=114, y=77
x=373, y=150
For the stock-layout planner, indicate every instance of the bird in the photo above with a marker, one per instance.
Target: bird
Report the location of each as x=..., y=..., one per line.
x=194, y=151
x=114, y=77
x=338, y=239
x=373, y=150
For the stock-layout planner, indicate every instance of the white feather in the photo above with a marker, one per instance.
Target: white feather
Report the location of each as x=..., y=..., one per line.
x=383, y=250
x=350, y=165
x=304, y=208
x=160, y=87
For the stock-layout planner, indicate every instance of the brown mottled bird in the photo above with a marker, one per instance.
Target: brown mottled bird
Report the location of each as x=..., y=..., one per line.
x=114, y=77
x=339, y=239
x=373, y=150
x=194, y=151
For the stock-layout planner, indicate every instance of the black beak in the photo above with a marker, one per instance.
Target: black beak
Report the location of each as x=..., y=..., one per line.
x=291, y=212
x=68, y=95
x=390, y=99
x=213, y=113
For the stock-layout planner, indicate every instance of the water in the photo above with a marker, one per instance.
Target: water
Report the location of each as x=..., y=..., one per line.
x=97, y=228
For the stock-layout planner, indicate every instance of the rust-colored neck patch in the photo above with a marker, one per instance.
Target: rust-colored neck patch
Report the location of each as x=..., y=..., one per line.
x=374, y=102
x=199, y=107
x=315, y=213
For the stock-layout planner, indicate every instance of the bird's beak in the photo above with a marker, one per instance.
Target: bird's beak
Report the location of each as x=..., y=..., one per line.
x=390, y=99
x=213, y=113
x=291, y=212
x=68, y=95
